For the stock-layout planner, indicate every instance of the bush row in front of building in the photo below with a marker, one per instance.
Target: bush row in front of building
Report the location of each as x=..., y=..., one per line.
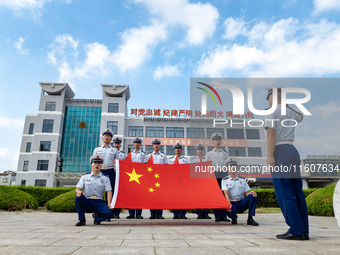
x=319, y=201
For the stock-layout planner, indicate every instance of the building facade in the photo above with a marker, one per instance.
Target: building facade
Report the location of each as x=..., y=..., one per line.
x=58, y=141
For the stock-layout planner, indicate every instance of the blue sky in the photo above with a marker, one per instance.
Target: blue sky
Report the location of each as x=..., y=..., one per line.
x=155, y=46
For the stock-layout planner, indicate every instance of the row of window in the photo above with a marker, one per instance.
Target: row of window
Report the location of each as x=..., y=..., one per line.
x=44, y=146
x=39, y=183
x=46, y=128
x=178, y=132
x=112, y=107
x=42, y=165
x=191, y=151
x=171, y=132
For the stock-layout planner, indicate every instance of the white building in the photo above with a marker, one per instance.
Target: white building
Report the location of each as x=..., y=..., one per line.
x=58, y=141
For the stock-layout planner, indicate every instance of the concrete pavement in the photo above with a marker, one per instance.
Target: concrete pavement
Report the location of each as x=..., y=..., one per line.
x=55, y=233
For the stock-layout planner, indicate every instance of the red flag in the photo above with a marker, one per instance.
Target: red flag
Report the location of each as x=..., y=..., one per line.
x=128, y=157
x=150, y=161
x=158, y=186
x=176, y=161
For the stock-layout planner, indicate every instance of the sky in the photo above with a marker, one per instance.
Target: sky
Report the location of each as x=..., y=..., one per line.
x=156, y=46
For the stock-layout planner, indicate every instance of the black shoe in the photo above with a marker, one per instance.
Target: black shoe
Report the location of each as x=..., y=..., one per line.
x=108, y=220
x=183, y=217
x=160, y=217
x=200, y=217
x=117, y=217
x=218, y=220
x=176, y=217
x=96, y=223
x=130, y=217
x=94, y=215
x=226, y=219
x=207, y=217
x=306, y=236
x=234, y=221
x=139, y=217
x=81, y=223
x=289, y=236
x=152, y=217
x=251, y=222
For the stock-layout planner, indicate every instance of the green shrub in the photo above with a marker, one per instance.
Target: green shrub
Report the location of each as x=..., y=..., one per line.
x=44, y=194
x=320, y=202
x=62, y=203
x=12, y=199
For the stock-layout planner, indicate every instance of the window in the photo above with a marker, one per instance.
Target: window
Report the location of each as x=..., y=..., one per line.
x=40, y=183
x=23, y=182
x=237, y=151
x=191, y=151
x=113, y=107
x=154, y=132
x=195, y=132
x=113, y=125
x=25, y=168
x=235, y=133
x=50, y=106
x=28, y=147
x=211, y=131
x=175, y=132
x=254, y=152
x=48, y=126
x=170, y=151
x=42, y=165
x=149, y=149
x=135, y=131
x=253, y=134
x=131, y=148
x=31, y=129
x=45, y=146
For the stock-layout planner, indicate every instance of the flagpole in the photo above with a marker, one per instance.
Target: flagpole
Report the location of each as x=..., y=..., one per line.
x=115, y=193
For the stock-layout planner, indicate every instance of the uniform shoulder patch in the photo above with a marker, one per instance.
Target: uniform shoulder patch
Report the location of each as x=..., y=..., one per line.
x=225, y=178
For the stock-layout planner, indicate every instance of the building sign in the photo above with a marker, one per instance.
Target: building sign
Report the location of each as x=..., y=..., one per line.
x=187, y=113
x=194, y=141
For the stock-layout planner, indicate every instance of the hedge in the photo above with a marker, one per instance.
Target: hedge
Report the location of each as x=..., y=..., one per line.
x=320, y=202
x=44, y=194
x=12, y=199
x=62, y=203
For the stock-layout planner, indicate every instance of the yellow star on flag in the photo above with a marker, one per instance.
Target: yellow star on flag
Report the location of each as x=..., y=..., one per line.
x=151, y=190
x=134, y=176
x=150, y=169
x=157, y=185
x=156, y=176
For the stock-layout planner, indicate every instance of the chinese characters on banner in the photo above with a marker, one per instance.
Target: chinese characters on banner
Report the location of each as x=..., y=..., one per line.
x=187, y=113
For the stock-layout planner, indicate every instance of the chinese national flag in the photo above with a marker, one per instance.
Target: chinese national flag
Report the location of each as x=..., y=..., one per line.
x=128, y=157
x=150, y=161
x=158, y=186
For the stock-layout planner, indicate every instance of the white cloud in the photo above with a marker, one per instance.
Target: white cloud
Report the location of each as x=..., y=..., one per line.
x=62, y=44
x=198, y=19
x=11, y=123
x=19, y=46
x=325, y=5
x=284, y=48
x=18, y=6
x=166, y=71
x=137, y=44
x=234, y=27
x=8, y=159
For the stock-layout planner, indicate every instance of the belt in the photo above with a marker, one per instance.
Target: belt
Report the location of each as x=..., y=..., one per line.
x=94, y=197
x=284, y=142
x=107, y=167
x=236, y=200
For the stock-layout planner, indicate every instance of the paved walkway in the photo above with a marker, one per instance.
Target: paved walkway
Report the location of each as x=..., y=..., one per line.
x=55, y=233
